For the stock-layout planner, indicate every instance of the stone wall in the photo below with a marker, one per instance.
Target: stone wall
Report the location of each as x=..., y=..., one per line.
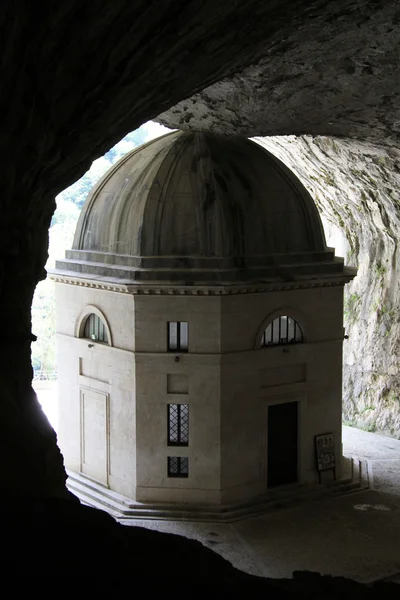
x=96, y=387
x=356, y=188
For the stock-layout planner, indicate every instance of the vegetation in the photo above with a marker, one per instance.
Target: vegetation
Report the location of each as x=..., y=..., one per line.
x=69, y=204
x=44, y=326
x=370, y=427
x=328, y=178
x=352, y=305
x=77, y=192
x=380, y=269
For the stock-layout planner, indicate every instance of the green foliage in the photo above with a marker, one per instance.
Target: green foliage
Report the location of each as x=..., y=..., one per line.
x=69, y=204
x=328, y=178
x=78, y=191
x=352, y=304
x=382, y=310
x=128, y=143
x=370, y=427
x=71, y=200
x=379, y=308
x=67, y=212
x=366, y=409
x=389, y=396
x=380, y=269
x=356, y=172
x=44, y=327
x=387, y=311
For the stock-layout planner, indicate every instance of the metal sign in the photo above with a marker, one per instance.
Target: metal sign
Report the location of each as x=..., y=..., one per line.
x=325, y=451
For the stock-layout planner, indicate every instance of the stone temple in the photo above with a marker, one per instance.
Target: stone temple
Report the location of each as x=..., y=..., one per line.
x=323, y=73
x=200, y=327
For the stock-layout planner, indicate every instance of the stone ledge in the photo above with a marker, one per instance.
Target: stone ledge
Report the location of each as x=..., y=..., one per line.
x=123, y=508
x=178, y=289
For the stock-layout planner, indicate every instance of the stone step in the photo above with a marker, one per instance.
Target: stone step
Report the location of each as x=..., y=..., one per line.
x=122, y=508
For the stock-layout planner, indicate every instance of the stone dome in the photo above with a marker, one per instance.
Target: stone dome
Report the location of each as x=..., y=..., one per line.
x=198, y=208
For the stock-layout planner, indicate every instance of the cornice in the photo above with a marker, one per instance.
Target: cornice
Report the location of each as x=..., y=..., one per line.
x=202, y=290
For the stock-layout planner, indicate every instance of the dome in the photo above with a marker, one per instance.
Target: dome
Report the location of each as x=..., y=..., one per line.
x=198, y=208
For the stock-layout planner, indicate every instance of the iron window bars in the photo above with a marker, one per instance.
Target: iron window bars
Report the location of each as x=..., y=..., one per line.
x=178, y=424
x=95, y=329
x=178, y=466
x=282, y=330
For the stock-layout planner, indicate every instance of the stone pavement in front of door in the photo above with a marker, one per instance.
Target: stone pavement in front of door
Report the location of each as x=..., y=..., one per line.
x=356, y=535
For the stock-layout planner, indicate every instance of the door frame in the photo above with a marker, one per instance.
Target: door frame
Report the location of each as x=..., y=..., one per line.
x=301, y=399
x=105, y=396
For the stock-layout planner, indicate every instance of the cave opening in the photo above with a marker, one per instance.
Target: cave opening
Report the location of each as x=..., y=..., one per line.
x=334, y=228
x=355, y=187
x=328, y=70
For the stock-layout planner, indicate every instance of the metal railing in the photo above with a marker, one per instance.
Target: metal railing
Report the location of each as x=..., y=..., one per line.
x=41, y=375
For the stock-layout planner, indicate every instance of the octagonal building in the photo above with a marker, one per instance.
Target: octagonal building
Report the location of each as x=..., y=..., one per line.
x=199, y=327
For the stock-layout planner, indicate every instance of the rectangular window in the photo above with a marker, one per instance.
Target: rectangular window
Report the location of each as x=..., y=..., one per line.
x=178, y=466
x=178, y=424
x=178, y=336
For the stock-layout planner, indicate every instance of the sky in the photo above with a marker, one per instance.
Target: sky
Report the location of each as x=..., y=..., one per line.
x=155, y=130
x=61, y=235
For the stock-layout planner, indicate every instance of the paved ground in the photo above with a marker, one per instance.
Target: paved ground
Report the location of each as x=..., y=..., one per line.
x=382, y=454
x=357, y=535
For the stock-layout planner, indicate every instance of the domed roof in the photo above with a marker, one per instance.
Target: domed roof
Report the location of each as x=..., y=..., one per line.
x=197, y=207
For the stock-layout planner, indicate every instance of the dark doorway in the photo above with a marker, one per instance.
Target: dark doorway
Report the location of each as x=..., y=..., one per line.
x=282, y=444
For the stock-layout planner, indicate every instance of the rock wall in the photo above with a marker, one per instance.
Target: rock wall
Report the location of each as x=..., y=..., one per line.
x=333, y=73
x=66, y=104
x=356, y=188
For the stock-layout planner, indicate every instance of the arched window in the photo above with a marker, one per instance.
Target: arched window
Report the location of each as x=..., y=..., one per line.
x=282, y=330
x=95, y=329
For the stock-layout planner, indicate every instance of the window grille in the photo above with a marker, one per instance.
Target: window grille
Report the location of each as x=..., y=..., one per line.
x=95, y=329
x=177, y=336
x=178, y=424
x=282, y=330
x=178, y=466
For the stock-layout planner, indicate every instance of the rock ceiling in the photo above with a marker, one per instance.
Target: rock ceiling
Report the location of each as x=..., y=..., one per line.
x=334, y=73
x=75, y=77
x=80, y=76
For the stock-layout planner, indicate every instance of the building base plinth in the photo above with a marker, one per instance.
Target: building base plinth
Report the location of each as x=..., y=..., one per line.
x=355, y=478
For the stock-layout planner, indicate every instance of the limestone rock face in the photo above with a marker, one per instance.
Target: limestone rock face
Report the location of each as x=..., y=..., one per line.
x=334, y=73
x=66, y=103
x=78, y=76
x=356, y=188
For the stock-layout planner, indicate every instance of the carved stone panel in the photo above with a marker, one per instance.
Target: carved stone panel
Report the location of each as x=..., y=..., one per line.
x=94, y=434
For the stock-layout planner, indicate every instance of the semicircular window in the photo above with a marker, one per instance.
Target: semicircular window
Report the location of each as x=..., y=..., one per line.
x=95, y=329
x=282, y=330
